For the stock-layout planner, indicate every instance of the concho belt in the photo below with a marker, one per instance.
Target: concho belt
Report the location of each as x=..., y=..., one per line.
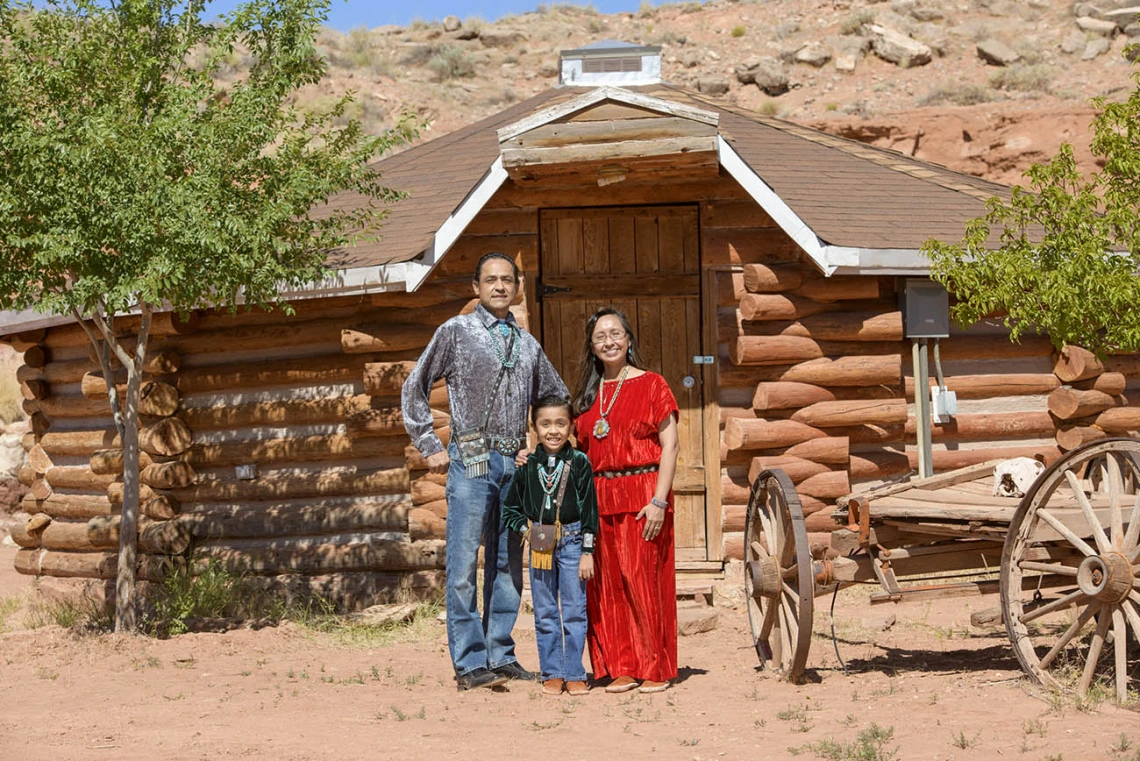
x=505, y=445
x=626, y=472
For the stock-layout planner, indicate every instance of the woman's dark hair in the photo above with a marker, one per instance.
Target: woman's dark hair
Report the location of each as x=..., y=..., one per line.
x=494, y=255
x=590, y=371
x=548, y=402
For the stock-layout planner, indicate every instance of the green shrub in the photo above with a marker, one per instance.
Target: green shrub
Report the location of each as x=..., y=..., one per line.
x=451, y=62
x=739, y=31
x=856, y=21
x=1023, y=78
x=966, y=95
x=213, y=593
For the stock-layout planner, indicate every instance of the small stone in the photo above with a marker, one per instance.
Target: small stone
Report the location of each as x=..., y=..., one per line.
x=548, y=70
x=996, y=53
x=845, y=62
x=1073, y=43
x=691, y=59
x=1132, y=31
x=926, y=14
x=712, y=85
x=382, y=615
x=879, y=623
x=467, y=34
x=451, y=23
x=813, y=54
x=501, y=38
x=766, y=73
x=1095, y=47
x=694, y=620
x=1097, y=26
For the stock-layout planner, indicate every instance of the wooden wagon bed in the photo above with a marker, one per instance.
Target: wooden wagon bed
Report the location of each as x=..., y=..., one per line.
x=1068, y=553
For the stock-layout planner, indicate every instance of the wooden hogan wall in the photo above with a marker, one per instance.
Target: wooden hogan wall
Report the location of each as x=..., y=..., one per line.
x=813, y=376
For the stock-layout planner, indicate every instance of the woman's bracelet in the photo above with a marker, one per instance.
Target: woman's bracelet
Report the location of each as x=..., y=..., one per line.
x=659, y=503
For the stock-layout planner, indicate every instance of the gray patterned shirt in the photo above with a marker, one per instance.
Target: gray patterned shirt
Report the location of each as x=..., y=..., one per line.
x=461, y=351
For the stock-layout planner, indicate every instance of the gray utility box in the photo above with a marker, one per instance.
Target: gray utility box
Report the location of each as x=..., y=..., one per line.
x=925, y=305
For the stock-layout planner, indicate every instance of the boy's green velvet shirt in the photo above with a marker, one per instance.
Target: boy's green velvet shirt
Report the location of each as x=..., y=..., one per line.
x=525, y=498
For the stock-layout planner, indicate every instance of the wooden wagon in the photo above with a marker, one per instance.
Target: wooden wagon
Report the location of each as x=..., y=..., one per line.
x=1067, y=552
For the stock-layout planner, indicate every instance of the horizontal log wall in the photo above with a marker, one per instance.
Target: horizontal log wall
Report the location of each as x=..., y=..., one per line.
x=816, y=379
x=339, y=504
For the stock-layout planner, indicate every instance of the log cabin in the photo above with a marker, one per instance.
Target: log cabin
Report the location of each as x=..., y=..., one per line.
x=760, y=262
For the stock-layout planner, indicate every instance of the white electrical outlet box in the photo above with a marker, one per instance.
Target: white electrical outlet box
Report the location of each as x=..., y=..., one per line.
x=943, y=404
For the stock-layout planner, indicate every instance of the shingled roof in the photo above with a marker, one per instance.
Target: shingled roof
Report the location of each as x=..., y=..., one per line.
x=869, y=207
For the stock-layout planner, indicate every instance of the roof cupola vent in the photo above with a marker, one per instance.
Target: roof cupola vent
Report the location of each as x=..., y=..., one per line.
x=609, y=62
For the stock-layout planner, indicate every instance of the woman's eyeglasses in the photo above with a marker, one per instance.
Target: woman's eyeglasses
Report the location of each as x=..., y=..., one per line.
x=599, y=339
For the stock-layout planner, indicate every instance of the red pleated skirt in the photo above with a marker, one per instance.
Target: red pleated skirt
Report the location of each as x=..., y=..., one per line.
x=632, y=601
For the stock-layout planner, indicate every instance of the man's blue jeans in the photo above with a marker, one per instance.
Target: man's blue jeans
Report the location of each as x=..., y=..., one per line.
x=559, y=599
x=474, y=516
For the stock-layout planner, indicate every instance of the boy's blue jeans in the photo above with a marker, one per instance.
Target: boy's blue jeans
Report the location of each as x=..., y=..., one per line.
x=560, y=630
x=474, y=516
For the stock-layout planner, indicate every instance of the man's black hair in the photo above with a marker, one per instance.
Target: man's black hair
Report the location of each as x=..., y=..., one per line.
x=548, y=401
x=495, y=255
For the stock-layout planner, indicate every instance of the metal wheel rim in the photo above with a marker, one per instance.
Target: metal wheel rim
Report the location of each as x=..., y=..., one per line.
x=784, y=646
x=1097, y=629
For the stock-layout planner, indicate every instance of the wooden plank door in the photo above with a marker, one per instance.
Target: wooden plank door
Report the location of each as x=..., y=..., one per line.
x=644, y=261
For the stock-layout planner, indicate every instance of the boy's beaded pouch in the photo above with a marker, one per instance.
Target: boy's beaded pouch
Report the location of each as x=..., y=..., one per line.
x=544, y=536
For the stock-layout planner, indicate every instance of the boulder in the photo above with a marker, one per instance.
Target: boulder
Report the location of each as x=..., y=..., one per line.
x=895, y=47
x=548, y=70
x=814, y=54
x=1132, y=31
x=766, y=73
x=996, y=53
x=501, y=37
x=691, y=58
x=467, y=34
x=385, y=615
x=451, y=23
x=1074, y=42
x=1097, y=46
x=1097, y=26
x=712, y=85
x=926, y=14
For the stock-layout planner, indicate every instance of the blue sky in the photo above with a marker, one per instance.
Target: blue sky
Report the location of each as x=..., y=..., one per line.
x=346, y=14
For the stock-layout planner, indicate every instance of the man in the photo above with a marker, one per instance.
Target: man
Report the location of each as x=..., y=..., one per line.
x=494, y=371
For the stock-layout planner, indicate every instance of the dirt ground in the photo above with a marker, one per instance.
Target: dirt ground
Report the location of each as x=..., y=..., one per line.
x=945, y=690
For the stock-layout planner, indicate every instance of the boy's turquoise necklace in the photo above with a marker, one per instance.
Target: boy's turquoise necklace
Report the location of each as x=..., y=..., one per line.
x=549, y=482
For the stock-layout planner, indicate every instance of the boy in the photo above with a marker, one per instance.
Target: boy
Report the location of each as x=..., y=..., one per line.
x=554, y=492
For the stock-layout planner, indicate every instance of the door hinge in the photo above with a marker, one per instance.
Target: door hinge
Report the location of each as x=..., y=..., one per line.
x=541, y=289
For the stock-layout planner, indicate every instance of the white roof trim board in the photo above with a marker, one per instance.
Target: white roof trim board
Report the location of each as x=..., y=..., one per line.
x=597, y=95
x=830, y=259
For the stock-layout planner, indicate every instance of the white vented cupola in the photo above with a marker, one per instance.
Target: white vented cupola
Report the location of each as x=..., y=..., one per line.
x=611, y=62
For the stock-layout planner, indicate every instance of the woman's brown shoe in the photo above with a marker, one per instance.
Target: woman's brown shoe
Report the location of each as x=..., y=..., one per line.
x=648, y=686
x=622, y=684
x=577, y=688
x=552, y=687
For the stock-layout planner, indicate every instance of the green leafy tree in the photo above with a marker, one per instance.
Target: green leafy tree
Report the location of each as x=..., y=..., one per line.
x=133, y=180
x=1066, y=258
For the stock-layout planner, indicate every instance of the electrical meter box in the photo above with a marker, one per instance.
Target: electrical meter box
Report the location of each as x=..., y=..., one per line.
x=925, y=305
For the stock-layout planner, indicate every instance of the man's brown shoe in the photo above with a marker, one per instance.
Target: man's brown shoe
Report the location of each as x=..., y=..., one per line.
x=577, y=688
x=648, y=686
x=622, y=684
x=552, y=687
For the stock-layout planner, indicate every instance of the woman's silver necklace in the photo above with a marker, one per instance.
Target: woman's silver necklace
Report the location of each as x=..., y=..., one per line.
x=602, y=427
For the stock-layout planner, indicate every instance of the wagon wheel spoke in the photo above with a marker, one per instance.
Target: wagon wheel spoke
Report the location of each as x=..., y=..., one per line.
x=1133, y=534
x=1069, y=633
x=793, y=630
x=1133, y=618
x=1073, y=598
x=758, y=549
x=1115, y=488
x=768, y=622
x=1095, y=646
x=1064, y=531
x=1101, y=538
x=1120, y=654
x=781, y=645
x=1060, y=570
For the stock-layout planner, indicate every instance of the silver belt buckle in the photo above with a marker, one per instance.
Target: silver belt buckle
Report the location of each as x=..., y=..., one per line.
x=508, y=446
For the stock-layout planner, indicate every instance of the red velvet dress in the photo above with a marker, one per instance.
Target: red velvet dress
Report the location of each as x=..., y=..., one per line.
x=631, y=602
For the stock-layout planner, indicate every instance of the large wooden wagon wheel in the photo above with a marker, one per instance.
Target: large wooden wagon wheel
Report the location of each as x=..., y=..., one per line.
x=778, y=579
x=1076, y=537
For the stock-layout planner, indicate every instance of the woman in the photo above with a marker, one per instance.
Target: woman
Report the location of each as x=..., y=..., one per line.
x=627, y=426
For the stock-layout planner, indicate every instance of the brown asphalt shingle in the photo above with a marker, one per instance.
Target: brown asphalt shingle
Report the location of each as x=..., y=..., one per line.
x=848, y=193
